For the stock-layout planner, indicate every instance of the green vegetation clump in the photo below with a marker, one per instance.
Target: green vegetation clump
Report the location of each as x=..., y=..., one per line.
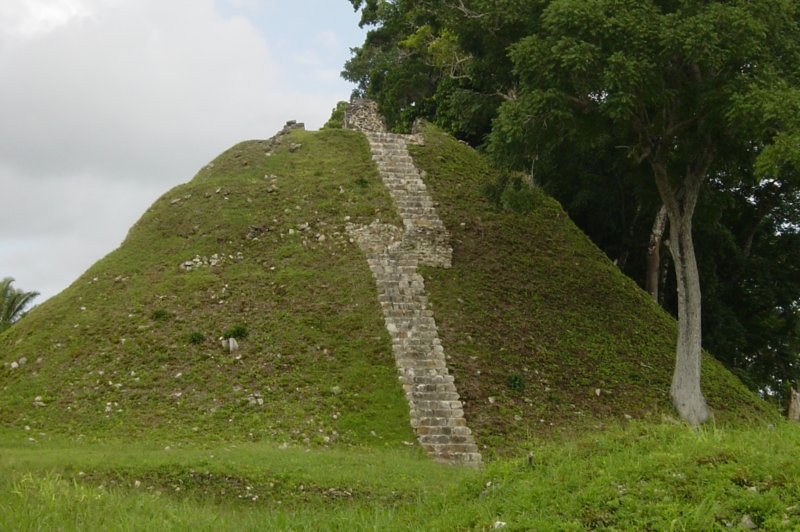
x=515, y=382
x=238, y=332
x=513, y=193
x=196, y=337
x=336, y=121
x=160, y=314
x=13, y=303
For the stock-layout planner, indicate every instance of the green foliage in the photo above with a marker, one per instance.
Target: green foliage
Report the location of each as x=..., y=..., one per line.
x=336, y=121
x=437, y=60
x=513, y=193
x=13, y=302
x=515, y=382
x=674, y=91
x=238, y=332
x=748, y=253
x=554, y=87
x=530, y=294
x=196, y=338
x=160, y=314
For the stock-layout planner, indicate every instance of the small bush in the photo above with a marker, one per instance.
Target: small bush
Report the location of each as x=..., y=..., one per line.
x=160, y=314
x=237, y=331
x=515, y=382
x=336, y=121
x=512, y=192
x=197, y=338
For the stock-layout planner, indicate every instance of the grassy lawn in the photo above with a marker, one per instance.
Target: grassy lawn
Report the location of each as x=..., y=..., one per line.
x=639, y=477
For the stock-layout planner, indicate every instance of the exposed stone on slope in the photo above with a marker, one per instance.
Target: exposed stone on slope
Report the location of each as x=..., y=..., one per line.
x=393, y=254
x=362, y=115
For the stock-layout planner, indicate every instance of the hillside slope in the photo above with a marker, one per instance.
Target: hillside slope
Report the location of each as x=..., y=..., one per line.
x=132, y=345
x=541, y=331
x=544, y=332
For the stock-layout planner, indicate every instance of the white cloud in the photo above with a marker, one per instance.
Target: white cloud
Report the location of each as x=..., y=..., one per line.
x=106, y=104
x=115, y=94
x=30, y=18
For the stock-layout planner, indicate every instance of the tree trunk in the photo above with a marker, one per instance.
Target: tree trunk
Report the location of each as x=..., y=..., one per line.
x=685, y=390
x=680, y=203
x=794, y=405
x=662, y=286
x=653, y=274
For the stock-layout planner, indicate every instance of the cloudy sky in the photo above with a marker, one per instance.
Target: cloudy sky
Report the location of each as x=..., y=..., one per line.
x=107, y=104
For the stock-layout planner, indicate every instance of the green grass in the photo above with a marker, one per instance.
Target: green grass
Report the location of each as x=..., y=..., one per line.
x=543, y=333
x=131, y=348
x=638, y=477
x=536, y=319
x=129, y=414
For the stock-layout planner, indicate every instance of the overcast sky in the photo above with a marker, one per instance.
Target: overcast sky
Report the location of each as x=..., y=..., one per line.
x=107, y=104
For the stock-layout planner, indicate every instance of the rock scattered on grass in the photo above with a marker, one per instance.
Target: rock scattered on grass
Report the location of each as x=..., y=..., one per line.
x=747, y=523
x=216, y=259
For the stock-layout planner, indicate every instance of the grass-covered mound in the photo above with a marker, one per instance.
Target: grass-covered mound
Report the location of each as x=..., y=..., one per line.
x=542, y=330
x=543, y=333
x=132, y=347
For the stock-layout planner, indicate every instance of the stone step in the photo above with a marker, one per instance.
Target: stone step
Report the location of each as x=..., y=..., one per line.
x=419, y=397
x=430, y=422
x=420, y=364
x=464, y=459
x=431, y=387
x=436, y=411
x=450, y=448
x=427, y=412
x=434, y=404
x=409, y=374
x=443, y=430
x=445, y=439
x=426, y=379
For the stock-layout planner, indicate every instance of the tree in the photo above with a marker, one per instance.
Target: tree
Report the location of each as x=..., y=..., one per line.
x=443, y=60
x=681, y=86
x=12, y=303
x=749, y=259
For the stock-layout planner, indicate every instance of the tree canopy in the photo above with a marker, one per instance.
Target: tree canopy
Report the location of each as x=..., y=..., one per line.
x=619, y=107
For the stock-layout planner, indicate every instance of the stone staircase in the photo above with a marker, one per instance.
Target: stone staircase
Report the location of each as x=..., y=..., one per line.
x=393, y=253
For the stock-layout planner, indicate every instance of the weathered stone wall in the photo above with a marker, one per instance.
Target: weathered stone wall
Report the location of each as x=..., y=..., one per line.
x=362, y=115
x=280, y=136
x=393, y=254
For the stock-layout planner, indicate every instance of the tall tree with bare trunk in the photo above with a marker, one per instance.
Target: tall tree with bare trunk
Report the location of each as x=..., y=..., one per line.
x=681, y=86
